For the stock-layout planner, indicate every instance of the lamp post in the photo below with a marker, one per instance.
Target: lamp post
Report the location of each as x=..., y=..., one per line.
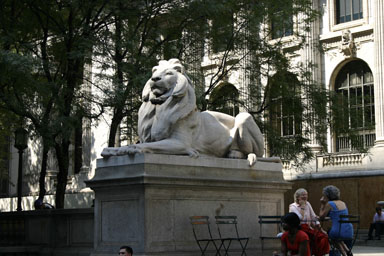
x=21, y=141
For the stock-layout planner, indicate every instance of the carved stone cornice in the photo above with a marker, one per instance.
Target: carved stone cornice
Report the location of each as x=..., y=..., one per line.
x=347, y=41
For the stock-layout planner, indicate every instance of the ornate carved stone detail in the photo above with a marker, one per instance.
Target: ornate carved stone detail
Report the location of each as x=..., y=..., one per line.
x=347, y=46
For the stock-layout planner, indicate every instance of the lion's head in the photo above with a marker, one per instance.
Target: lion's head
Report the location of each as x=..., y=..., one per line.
x=170, y=89
x=168, y=79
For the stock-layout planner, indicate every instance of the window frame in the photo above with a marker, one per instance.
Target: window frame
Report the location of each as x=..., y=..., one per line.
x=285, y=38
x=366, y=132
x=334, y=26
x=279, y=120
x=284, y=34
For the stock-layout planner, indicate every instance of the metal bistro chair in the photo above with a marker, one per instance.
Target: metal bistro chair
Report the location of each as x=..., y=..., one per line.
x=355, y=221
x=274, y=227
x=202, y=233
x=228, y=232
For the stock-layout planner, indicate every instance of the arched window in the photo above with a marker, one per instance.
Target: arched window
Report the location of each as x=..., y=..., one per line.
x=355, y=116
x=284, y=113
x=224, y=99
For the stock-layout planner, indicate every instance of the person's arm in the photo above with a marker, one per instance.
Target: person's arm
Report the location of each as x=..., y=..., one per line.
x=325, y=207
x=303, y=247
x=295, y=209
x=314, y=217
x=375, y=218
x=284, y=250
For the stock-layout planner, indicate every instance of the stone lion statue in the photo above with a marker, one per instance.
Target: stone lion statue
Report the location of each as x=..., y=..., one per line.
x=169, y=122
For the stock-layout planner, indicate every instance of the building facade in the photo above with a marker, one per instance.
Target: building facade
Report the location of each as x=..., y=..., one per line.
x=344, y=52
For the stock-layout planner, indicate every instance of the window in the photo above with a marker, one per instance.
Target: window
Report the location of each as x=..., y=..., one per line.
x=282, y=28
x=285, y=101
x=348, y=10
x=284, y=113
x=355, y=118
x=224, y=99
x=281, y=20
x=222, y=32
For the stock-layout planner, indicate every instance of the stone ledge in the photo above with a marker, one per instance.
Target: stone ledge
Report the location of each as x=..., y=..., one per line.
x=163, y=169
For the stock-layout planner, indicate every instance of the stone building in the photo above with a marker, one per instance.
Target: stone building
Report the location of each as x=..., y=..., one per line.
x=346, y=47
x=350, y=64
x=344, y=52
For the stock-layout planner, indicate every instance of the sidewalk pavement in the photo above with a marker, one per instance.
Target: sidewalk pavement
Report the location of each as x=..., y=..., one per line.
x=367, y=251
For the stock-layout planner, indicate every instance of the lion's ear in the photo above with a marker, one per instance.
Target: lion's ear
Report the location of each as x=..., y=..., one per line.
x=146, y=91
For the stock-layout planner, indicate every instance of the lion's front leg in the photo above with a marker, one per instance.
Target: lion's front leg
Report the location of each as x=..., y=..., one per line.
x=167, y=146
x=107, y=152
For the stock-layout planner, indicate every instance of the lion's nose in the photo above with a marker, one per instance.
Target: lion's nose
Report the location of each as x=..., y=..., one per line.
x=155, y=78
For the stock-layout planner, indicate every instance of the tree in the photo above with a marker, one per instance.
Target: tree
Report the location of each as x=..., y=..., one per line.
x=46, y=45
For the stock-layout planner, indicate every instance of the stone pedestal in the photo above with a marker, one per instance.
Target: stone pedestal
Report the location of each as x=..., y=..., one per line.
x=145, y=200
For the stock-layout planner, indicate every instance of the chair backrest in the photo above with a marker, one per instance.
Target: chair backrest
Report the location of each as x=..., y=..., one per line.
x=227, y=226
x=270, y=219
x=354, y=220
x=201, y=227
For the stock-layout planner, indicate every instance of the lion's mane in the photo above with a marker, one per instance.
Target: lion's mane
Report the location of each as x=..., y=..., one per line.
x=158, y=115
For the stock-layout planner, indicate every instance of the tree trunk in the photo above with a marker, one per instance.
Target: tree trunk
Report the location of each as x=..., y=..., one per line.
x=62, y=153
x=43, y=170
x=116, y=120
x=119, y=108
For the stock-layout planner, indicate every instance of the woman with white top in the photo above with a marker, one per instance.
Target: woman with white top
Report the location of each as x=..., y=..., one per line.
x=309, y=223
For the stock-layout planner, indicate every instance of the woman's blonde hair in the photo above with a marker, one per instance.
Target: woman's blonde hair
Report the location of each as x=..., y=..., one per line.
x=298, y=193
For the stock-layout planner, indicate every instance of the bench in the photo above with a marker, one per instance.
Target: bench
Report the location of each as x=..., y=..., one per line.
x=274, y=220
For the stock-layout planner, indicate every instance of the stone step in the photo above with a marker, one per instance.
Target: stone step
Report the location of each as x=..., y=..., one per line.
x=362, y=240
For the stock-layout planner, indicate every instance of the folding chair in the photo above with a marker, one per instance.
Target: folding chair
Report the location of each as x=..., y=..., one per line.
x=275, y=220
x=202, y=233
x=228, y=232
x=355, y=221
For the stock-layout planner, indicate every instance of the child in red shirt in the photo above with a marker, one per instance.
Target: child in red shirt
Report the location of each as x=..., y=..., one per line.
x=294, y=240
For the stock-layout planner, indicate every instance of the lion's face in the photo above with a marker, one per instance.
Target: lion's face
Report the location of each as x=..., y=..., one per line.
x=168, y=80
x=163, y=79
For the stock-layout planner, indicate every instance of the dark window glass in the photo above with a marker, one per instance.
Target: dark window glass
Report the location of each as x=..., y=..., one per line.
x=285, y=113
x=222, y=32
x=348, y=10
x=282, y=29
x=355, y=90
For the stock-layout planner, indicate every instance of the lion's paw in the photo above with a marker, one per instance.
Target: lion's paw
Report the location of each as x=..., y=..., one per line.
x=252, y=159
x=128, y=150
x=193, y=153
x=107, y=152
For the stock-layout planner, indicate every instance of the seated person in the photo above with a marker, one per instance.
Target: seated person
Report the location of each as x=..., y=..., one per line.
x=294, y=240
x=377, y=224
x=309, y=223
x=39, y=204
x=340, y=234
